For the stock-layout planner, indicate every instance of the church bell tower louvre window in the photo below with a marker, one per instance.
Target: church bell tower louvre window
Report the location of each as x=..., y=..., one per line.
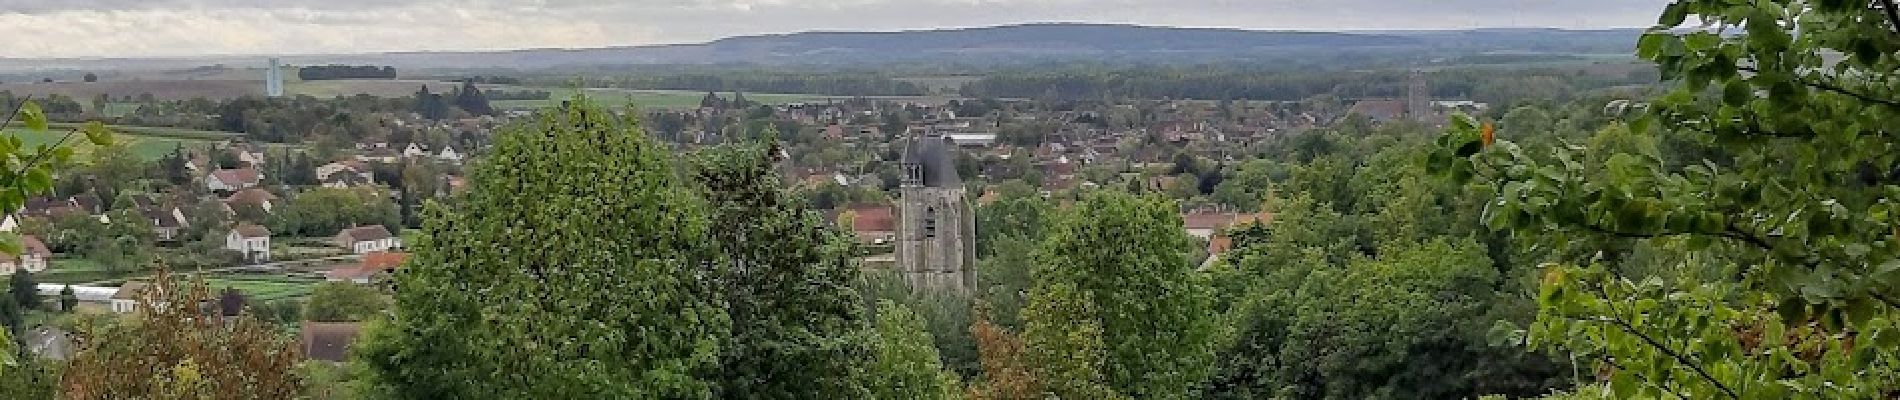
x=930, y=222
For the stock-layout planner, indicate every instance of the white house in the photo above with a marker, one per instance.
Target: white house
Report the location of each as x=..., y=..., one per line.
x=166, y=224
x=973, y=139
x=232, y=180
x=33, y=259
x=378, y=155
x=126, y=299
x=9, y=224
x=367, y=239
x=414, y=150
x=250, y=240
x=341, y=166
x=448, y=154
x=248, y=157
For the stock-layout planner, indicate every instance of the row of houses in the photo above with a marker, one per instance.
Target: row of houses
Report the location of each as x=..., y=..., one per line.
x=383, y=153
x=877, y=223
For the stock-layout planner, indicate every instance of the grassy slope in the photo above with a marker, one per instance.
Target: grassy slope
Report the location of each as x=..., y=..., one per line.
x=264, y=289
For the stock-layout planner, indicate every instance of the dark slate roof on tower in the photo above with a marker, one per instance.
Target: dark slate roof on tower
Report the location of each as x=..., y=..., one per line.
x=934, y=155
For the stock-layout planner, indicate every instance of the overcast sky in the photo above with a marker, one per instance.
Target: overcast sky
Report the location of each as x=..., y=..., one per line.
x=136, y=28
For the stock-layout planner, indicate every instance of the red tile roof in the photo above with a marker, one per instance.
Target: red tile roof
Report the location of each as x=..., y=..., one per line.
x=33, y=246
x=1219, y=244
x=1379, y=109
x=873, y=218
x=251, y=196
x=236, y=176
x=382, y=261
x=364, y=234
x=251, y=231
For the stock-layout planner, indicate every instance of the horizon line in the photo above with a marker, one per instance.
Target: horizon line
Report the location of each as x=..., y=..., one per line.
x=186, y=57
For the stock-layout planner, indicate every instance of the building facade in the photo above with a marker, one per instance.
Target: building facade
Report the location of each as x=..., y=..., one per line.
x=936, y=232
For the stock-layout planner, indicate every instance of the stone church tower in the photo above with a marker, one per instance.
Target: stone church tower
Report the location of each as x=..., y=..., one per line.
x=936, y=229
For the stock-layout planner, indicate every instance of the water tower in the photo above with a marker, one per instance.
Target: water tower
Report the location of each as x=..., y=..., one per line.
x=274, y=79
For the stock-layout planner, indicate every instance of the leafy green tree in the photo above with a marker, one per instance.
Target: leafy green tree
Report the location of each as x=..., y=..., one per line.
x=326, y=211
x=787, y=276
x=904, y=363
x=113, y=169
x=1004, y=279
x=1127, y=255
x=343, y=302
x=23, y=289
x=124, y=244
x=1063, y=340
x=1780, y=202
x=521, y=290
x=31, y=379
x=1018, y=217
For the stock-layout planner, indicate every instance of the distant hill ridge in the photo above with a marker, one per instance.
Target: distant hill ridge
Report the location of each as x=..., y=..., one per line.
x=1008, y=42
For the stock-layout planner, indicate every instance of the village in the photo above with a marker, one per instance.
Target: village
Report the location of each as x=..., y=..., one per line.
x=270, y=224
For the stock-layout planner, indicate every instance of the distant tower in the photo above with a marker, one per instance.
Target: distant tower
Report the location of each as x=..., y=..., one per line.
x=274, y=79
x=936, y=232
x=1418, y=97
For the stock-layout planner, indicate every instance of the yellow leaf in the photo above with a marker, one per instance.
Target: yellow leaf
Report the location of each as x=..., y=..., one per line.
x=1488, y=134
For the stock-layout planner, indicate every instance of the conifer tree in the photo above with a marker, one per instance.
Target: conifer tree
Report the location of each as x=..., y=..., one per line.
x=24, y=290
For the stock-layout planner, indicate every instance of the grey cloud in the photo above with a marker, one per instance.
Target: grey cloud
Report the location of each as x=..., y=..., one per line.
x=186, y=27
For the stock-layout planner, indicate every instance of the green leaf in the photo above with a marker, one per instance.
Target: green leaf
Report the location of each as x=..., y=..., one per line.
x=32, y=117
x=97, y=133
x=1468, y=149
x=1673, y=15
x=1650, y=45
x=1737, y=92
x=1792, y=310
x=38, y=180
x=10, y=242
x=1623, y=384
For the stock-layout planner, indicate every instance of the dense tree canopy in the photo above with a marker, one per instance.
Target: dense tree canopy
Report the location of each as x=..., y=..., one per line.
x=1126, y=256
x=1753, y=255
x=786, y=276
x=183, y=351
x=522, y=291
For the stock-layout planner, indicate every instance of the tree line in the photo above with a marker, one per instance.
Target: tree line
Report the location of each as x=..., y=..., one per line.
x=1500, y=87
x=329, y=72
x=836, y=84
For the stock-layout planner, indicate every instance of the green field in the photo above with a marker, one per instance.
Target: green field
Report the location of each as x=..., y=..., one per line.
x=119, y=109
x=79, y=270
x=147, y=147
x=148, y=142
x=264, y=288
x=391, y=88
